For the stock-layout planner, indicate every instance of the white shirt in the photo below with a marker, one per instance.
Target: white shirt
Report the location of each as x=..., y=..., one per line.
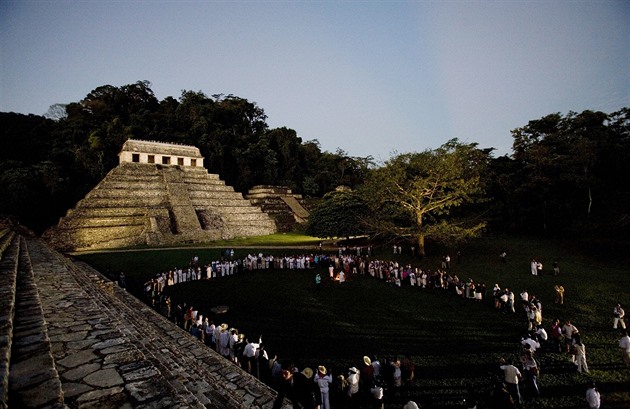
x=250, y=350
x=624, y=343
x=593, y=397
x=512, y=374
x=323, y=382
x=533, y=344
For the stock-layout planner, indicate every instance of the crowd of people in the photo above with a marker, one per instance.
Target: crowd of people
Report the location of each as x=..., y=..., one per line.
x=365, y=384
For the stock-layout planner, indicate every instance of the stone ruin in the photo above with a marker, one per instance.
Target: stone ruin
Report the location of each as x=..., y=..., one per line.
x=284, y=206
x=159, y=194
x=70, y=338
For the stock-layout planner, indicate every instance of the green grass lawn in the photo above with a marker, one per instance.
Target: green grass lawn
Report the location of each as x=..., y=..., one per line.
x=454, y=342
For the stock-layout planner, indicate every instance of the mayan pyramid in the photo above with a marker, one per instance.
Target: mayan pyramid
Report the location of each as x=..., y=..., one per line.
x=159, y=194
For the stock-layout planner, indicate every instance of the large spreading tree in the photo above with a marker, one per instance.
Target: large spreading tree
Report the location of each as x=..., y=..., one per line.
x=415, y=195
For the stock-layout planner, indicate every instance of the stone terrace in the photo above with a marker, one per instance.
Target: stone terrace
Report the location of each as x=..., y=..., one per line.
x=71, y=338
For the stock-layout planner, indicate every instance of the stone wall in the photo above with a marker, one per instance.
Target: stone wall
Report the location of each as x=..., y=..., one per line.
x=71, y=338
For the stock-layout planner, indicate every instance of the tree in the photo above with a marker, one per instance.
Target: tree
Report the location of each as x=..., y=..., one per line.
x=341, y=213
x=413, y=193
x=570, y=168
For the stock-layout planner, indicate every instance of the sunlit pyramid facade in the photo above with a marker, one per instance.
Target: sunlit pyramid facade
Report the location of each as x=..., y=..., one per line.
x=159, y=194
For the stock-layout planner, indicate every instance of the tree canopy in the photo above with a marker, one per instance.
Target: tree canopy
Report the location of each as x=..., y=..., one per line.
x=426, y=187
x=341, y=213
x=567, y=174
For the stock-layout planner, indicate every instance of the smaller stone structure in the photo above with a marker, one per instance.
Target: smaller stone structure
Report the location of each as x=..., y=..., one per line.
x=284, y=206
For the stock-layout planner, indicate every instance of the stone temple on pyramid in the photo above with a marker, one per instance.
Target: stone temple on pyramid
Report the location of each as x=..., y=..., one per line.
x=160, y=194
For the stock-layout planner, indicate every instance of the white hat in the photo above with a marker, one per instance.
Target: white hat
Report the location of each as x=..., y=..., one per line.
x=411, y=405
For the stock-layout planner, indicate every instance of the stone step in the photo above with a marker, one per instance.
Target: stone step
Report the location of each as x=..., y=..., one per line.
x=198, y=368
x=94, y=235
x=135, y=191
x=247, y=217
x=270, y=189
x=101, y=358
x=205, y=199
x=33, y=378
x=120, y=212
x=6, y=236
x=107, y=221
x=8, y=283
x=122, y=201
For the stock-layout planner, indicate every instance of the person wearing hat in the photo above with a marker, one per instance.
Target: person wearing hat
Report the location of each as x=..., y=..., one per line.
x=305, y=390
x=224, y=341
x=323, y=381
x=367, y=375
x=353, y=383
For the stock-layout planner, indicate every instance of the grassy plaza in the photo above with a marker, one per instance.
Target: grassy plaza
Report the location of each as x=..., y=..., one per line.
x=454, y=342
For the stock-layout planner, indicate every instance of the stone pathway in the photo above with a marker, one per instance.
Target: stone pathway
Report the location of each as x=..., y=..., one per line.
x=81, y=341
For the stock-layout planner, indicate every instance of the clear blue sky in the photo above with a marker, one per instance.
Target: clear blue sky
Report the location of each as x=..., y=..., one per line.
x=369, y=77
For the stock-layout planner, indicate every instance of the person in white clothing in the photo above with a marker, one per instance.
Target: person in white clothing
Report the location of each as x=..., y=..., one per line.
x=618, y=317
x=532, y=343
x=512, y=377
x=624, y=346
x=593, y=397
x=323, y=380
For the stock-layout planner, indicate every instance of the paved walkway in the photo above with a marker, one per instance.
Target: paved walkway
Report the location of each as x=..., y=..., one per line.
x=81, y=341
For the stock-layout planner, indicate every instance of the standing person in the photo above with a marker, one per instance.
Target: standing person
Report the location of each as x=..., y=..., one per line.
x=353, y=385
x=122, y=282
x=559, y=294
x=593, y=397
x=323, y=381
x=512, y=377
x=249, y=355
x=500, y=398
x=556, y=269
x=618, y=317
x=580, y=357
x=624, y=345
x=376, y=364
x=224, y=341
x=318, y=281
x=531, y=370
x=367, y=375
x=569, y=330
x=284, y=385
x=556, y=334
x=305, y=390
